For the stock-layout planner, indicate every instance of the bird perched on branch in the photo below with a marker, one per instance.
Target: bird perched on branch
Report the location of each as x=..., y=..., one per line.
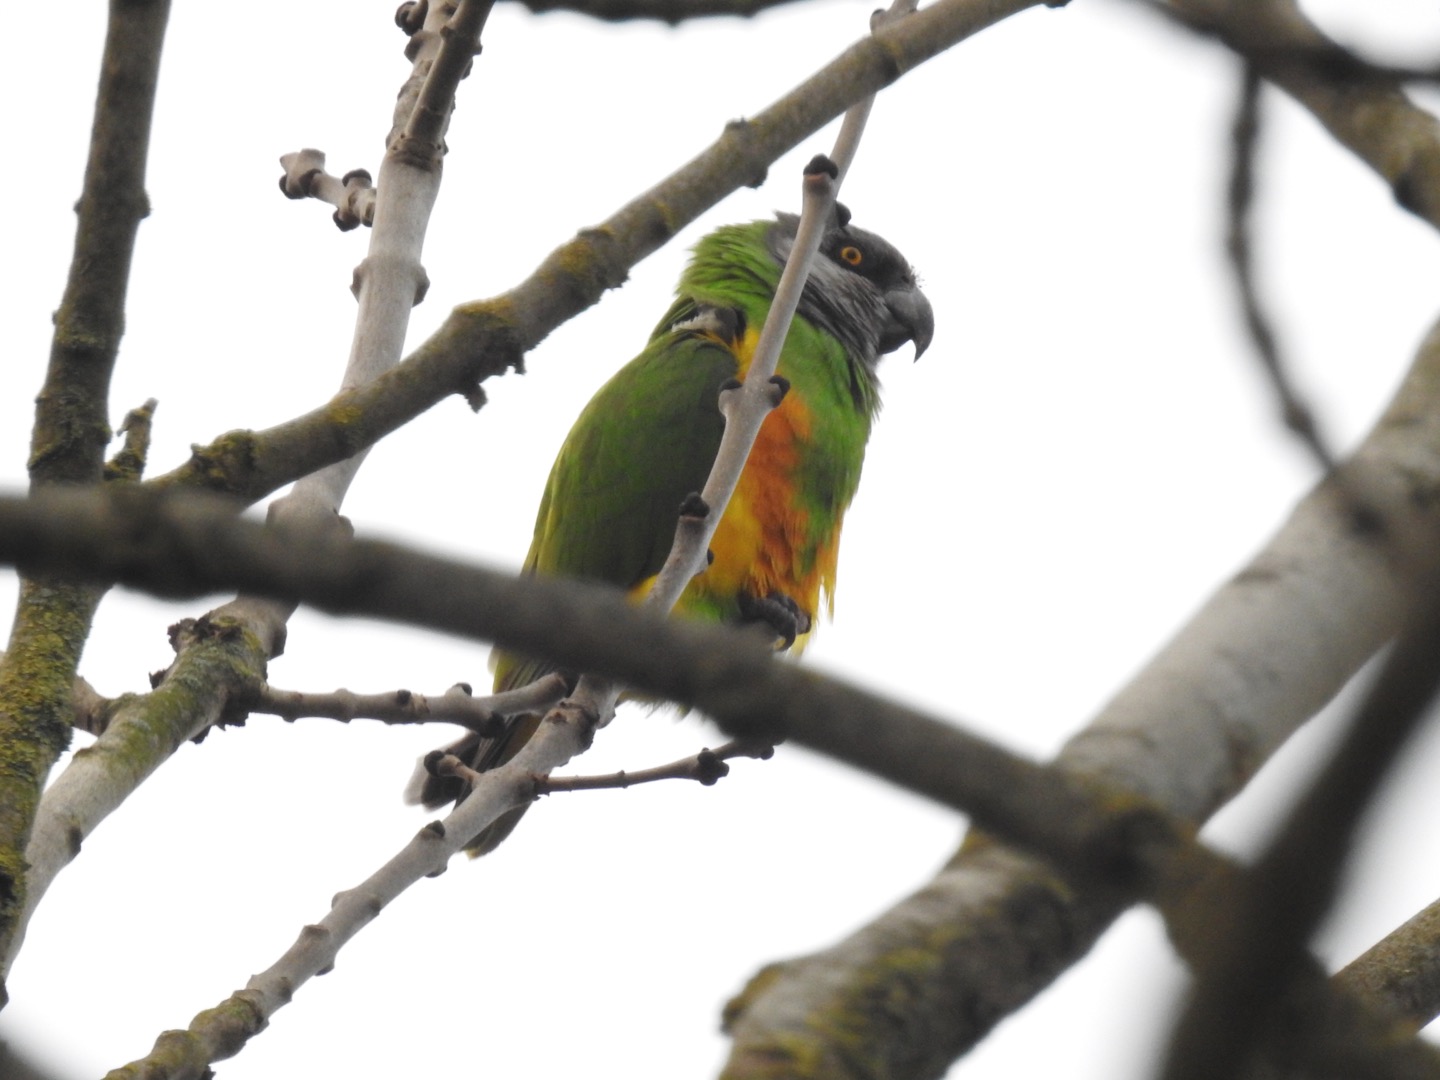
x=648, y=437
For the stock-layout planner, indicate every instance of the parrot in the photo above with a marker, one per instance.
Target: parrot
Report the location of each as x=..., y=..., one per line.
x=648, y=438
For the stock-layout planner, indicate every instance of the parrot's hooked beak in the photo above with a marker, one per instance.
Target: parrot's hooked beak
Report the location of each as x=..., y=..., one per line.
x=911, y=319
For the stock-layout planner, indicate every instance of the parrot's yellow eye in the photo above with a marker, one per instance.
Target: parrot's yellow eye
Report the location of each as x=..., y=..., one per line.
x=852, y=255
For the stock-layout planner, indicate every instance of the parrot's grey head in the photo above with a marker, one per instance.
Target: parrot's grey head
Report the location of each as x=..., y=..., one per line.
x=861, y=289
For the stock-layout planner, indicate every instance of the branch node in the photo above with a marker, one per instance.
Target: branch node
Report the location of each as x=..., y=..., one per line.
x=694, y=507
x=410, y=16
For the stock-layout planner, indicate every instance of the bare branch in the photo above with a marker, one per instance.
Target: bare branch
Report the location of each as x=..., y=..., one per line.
x=72, y=429
x=455, y=706
x=389, y=281
x=1365, y=108
x=1211, y=706
x=748, y=404
x=707, y=767
x=672, y=12
x=1260, y=658
x=1296, y=414
x=485, y=339
x=216, y=663
x=352, y=195
x=475, y=336
x=1097, y=834
x=1402, y=971
x=1261, y=933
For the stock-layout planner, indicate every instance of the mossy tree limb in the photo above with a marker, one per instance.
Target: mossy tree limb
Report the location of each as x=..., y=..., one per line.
x=72, y=427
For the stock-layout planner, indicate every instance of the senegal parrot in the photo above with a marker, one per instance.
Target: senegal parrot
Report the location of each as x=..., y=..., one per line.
x=648, y=437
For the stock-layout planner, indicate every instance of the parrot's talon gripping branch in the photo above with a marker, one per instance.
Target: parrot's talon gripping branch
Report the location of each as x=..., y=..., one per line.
x=779, y=387
x=777, y=611
x=352, y=195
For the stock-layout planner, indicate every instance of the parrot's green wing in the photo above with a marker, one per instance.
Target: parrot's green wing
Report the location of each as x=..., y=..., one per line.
x=646, y=441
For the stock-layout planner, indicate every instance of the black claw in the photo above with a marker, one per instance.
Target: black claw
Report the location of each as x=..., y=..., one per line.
x=777, y=611
x=709, y=556
x=693, y=506
x=730, y=384
x=781, y=384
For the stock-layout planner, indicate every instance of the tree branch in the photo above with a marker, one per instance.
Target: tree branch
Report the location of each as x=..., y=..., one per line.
x=1261, y=930
x=1363, y=106
x=707, y=767
x=72, y=429
x=1264, y=653
x=456, y=706
x=203, y=688
x=167, y=544
x=217, y=663
x=1402, y=971
x=1296, y=414
x=672, y=12
x=486, y=338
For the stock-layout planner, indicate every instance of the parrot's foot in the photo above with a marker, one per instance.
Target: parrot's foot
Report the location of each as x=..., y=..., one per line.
x=777, y=611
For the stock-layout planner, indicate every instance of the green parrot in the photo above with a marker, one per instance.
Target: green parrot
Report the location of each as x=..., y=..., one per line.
x=648, y=437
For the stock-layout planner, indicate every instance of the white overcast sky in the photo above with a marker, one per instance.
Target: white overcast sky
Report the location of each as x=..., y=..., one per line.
x=1084, y=454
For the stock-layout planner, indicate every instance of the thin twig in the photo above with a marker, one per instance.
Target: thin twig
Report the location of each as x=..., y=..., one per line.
x=672, y=12
x=456, y=706
x=706, y=767
x=747, y=407
x=1296, y=414
x=486, y=338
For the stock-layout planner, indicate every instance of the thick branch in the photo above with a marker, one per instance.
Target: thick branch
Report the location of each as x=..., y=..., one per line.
x=1263, y=928
x=72, y=428
x=1209, y=708
x=485, y=339
x=217, y=662
x=390, y=280
x=170, y=545
x=1365, y=108
x=1267, y=651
